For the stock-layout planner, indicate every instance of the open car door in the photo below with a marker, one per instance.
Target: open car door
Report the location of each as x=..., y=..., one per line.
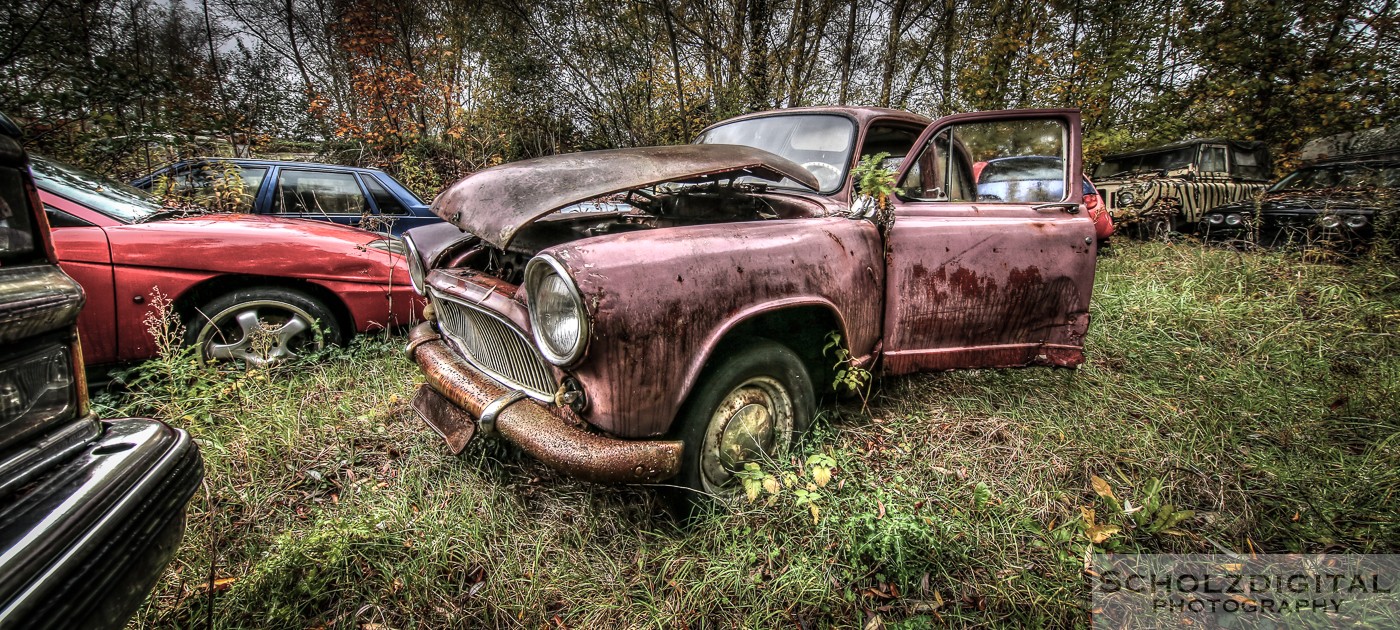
x=991, y=260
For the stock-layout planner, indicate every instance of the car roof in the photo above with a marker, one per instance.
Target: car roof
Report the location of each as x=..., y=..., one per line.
x=1247, y=145
x=261, y=162
x=1391, y=155
x=861, y=114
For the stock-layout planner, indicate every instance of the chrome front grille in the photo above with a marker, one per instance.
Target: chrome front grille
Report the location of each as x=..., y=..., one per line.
x=494, y=346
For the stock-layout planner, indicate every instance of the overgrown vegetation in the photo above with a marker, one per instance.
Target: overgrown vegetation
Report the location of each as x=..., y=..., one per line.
x=1230, y=401
x=442, y=88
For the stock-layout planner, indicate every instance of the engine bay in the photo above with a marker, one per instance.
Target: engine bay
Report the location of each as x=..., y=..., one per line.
x=635, y=210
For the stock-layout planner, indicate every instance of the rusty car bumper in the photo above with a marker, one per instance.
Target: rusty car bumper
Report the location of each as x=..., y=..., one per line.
x=469, y=395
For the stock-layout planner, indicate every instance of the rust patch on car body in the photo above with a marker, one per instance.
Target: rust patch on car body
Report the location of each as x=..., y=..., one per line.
x=543, y=434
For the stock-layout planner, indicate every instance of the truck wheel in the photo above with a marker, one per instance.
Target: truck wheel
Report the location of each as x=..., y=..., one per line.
x=751, y=407
x=261, y=326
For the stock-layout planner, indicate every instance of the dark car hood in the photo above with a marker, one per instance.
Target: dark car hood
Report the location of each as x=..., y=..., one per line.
x=497, y=202
x=1314, y=202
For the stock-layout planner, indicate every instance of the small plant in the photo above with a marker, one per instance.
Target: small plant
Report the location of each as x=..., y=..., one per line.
x=875, y=182
x=1152, y=516
x=850, y=378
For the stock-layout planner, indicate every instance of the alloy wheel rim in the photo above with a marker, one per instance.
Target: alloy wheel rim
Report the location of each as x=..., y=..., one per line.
x=259, y=333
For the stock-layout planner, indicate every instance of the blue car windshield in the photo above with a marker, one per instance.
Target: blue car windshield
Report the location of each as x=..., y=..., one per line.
x=108, y=196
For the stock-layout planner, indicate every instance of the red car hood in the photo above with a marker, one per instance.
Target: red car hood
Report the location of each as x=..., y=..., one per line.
x=495, y=203
x=253, y=244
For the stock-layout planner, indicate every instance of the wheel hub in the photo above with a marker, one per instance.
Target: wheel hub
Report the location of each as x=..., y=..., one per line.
x=752, y=423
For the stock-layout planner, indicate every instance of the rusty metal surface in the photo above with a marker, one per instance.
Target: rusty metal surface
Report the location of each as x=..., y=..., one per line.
x=1002, y=283
x=662, y=300
x=453, y=424
x=495, y=203
x=538, y=432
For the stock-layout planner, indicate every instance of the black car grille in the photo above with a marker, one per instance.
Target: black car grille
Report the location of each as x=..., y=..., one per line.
x=494, y=347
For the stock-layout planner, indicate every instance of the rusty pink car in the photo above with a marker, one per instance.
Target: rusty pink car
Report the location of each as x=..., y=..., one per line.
x=658, y=314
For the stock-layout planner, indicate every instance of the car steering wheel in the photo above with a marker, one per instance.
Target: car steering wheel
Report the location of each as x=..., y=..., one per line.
x=826, y=174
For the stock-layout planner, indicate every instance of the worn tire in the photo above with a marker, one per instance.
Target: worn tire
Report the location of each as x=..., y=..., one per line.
x=760, y=383
x=294, y=323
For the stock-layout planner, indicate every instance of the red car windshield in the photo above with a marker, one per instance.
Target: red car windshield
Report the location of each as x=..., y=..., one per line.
x=108, y=196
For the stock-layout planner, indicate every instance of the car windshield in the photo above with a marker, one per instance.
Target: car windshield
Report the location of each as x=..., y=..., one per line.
x=821, y=143
x=1160, y=161
x=1341, y=176
x=108, y=196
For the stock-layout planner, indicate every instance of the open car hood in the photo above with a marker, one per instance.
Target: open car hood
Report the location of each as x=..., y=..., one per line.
x=497, y=202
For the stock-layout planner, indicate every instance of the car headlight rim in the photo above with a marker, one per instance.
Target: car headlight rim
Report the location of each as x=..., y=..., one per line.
x=564, y=302
x=1330, y=221
x=1233, y=219
x=1215, y=218
x=417, y=273
x=1356, y=221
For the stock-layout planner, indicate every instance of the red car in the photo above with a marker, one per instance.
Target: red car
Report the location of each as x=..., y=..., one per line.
x=249, y=287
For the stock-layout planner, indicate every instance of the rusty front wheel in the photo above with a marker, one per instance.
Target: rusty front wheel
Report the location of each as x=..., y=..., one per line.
x=750, y=407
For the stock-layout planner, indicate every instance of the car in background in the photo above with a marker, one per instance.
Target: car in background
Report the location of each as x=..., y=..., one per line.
x=679, y=336
x=245, y=287
x=91, y=510
x=1169, y=188
x=361, y=197
x=1338, y=201
x=1029, y=178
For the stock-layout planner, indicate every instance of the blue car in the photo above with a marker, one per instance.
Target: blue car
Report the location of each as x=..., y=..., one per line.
x=362, y=197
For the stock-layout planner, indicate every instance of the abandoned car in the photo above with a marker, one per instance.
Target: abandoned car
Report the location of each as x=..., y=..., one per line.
x=250, y=288
x=659, y=313
x=362, y=197
x=91, y=510
x=1337, y=202
x=1169, y=188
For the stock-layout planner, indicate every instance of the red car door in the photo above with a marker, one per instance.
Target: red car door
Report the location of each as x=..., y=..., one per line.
x=85, y=255
x=978, y=280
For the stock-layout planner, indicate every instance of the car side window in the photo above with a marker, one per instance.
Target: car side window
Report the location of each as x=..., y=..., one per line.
x=387, y=203
x=896, y=141
x=318, y=192
x=1011, y=161
x=1213, y=159
x=61, y=219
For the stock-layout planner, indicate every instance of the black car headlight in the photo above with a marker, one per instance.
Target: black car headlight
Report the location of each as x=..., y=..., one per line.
x=1233, y=220
x=1215, y=218
x=416, y=271
x=1356, y=221
x=557, y=316
x=37, y=388
x=1330, y=221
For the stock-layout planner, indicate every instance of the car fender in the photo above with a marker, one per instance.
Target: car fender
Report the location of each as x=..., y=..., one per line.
x=661, y=301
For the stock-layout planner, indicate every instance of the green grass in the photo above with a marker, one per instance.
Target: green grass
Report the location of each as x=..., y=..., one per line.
x=1254, y=396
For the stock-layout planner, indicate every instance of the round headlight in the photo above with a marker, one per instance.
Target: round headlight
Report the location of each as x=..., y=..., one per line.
x=1216, y=219
x=416, y=272
x=1330, y=221
x=1233, y=219
x=1355, y=221
x=1126, y=198
x=557, y=317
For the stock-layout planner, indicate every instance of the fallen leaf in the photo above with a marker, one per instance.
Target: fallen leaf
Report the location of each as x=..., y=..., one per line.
x=1101, y=487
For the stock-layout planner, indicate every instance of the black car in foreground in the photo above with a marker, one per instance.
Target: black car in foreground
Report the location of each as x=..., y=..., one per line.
x=91, y=510
x=1339, y=201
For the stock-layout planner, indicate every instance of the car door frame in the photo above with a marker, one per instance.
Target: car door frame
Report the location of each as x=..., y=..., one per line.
x=989, y=284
